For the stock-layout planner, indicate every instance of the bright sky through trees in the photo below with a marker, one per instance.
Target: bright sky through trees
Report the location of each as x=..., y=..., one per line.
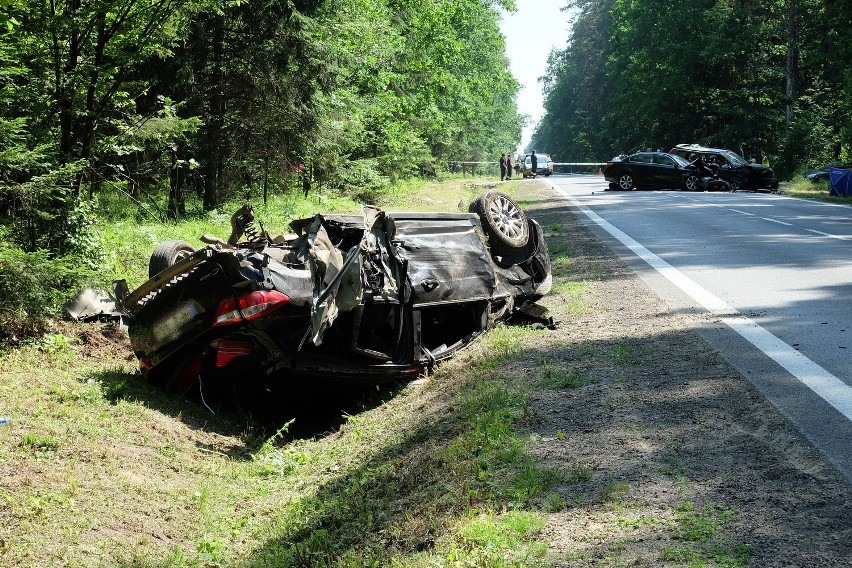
x=537, y=27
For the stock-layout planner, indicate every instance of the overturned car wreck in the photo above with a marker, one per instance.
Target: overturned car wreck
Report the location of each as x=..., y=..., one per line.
x=368, y=298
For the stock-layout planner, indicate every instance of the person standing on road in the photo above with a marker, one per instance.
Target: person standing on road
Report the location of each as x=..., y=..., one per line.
x=533, y=164
x=502, y=167
x=508, y=166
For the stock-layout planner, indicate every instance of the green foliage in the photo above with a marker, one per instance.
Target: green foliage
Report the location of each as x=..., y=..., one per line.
x=504, y=540
x=34, y=287
x=154, y=103
x=414, y=84
x=627, y=80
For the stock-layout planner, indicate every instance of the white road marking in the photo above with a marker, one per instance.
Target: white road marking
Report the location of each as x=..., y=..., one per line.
x=840, y=237
x=814, y=231
x=777, y=221
x=828, y=387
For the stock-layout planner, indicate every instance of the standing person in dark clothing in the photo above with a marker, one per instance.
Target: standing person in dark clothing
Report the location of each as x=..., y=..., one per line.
x=508, y=166
x=502, y=167
x=533, y=164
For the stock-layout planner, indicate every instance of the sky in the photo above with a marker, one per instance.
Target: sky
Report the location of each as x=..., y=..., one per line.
x=531, y=32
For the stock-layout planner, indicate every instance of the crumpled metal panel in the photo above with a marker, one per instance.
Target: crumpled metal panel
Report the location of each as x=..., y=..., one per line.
x=447, y=258
x=340, y=284
x=326, y=262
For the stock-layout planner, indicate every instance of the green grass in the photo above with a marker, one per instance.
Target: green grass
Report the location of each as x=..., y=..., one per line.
x=554, y=376
x=623, y=354
x=567, y=295
x=700, y=533
x=800, y=187
x=102, y=469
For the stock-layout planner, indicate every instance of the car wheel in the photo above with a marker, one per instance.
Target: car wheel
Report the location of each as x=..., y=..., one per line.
x=167, y=254
x=503, y=221
x=625, y=182
x=737, y=183
x=691, y=182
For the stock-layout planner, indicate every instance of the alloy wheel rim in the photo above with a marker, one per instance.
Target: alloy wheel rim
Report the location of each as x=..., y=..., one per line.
x=506, y=217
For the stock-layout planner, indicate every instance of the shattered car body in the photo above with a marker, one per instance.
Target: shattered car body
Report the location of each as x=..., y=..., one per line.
x=369, y=298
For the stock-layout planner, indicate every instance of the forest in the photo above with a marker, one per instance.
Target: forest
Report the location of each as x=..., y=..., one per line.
x=154, y=109
x=767, y=78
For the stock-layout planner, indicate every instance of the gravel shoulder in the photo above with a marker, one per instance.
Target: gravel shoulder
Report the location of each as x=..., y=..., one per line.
x=664, y=430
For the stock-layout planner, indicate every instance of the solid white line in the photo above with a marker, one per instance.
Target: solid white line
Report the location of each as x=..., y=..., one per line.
x=828, y=387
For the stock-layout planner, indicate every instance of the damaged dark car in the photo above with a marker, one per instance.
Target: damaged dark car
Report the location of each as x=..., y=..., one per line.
x=360, y=299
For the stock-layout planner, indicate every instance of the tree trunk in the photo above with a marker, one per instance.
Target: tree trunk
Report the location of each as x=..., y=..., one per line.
x=265, y=176
x=215, y=162
x=177, y=184
x=63, y=91
x=791, y=64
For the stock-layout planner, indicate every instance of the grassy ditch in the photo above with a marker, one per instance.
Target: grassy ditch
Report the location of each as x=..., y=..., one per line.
x=99, y=469
x=800, y=187
x=436, y=474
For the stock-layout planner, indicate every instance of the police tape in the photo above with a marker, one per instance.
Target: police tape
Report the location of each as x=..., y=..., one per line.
x=473, y=163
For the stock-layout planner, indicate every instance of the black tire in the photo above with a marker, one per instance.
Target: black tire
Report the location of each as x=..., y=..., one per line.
x=691, y=183
x=625, y=182
x=738, y=183
x=503, y=221
x=167, y=254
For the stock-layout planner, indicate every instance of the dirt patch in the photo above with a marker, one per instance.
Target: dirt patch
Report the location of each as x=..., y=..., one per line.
x=96, y=341
x=662, y=431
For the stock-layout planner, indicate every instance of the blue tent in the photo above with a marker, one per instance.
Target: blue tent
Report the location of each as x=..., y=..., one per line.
x=841, y=181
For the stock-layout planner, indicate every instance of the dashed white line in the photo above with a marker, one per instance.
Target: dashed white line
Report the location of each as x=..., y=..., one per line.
x=777, y=221
x=814, y=231
x=828, y=387
x=838, y=237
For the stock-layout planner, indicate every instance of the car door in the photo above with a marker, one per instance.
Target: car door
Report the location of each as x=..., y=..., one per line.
x=726, y=170
x=666, y=172
x=641, y=167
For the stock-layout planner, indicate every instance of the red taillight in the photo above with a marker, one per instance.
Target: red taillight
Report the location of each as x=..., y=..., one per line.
x=228, y=350
x=249, y=306
x=186, y=377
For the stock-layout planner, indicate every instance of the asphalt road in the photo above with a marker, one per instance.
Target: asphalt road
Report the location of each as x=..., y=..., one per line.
x=769, y=279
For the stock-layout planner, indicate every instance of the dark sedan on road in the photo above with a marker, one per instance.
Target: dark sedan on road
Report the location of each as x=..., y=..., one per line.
x=651, y=170
x=731, y=167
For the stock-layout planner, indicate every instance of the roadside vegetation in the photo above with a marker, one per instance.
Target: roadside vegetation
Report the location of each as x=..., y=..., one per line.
x=800, y=187
x=756, y=77
x=171, y=110
x=438, y=472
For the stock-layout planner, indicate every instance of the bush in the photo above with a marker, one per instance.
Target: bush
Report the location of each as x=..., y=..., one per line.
x=361, y=180
x=34, y=288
